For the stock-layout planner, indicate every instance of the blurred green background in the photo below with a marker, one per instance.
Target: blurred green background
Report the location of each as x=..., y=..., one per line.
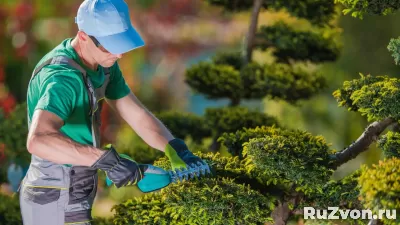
x=179, y=33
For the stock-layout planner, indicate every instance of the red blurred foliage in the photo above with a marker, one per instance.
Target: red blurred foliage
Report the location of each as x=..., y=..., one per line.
x=8, y=104
x=24, y=11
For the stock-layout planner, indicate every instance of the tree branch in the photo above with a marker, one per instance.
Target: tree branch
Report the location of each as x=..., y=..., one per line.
x=252, y=30
x=369, y=136
x=281, y=213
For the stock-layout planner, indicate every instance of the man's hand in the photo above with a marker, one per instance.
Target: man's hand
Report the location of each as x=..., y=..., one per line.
x=179, y=154
x=154, y=178
x=122, y=171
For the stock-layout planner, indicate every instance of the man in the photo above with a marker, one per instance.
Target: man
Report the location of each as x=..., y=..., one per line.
x=64, y=99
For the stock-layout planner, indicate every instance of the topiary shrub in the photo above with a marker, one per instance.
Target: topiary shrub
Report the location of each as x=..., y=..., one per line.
x=359, y=8
x=371, y=96
x=300, y=158
x=317, y=12
x=380, y=188
x=341, y=193
x=215, y=80
x=280, y=81
x=297, y=45
x=9, y=210
x=183, y=125
x=234, y=141
x=390, y=144
x=223, y=79
x=102, y=221
x=222, y=202
x=231, y=119
x=240, y=170
x=292, y=151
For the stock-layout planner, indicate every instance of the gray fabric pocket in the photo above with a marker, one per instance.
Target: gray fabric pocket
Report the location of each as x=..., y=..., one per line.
x=83, y=184
x=41, y=195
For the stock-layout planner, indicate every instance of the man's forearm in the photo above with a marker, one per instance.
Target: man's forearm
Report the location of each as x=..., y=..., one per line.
x=145, y=124
x=152, y=130
x=58, y=148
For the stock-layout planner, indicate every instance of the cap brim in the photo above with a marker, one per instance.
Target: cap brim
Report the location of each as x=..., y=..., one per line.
x=122, y=42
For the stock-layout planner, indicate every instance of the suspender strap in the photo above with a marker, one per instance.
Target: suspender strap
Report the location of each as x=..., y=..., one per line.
x=96, y=115
x=93, y=96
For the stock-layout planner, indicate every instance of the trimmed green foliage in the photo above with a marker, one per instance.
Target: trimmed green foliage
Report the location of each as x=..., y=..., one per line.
x=234, y=59
x=394, y=48
x=344, y=94
x=183, y=124
x=340, y=193
x=13, y=134
x=300, y=158
x=222, y=202
x=9, y=210
x=377, y=97
x=380, y=187
x=214, y=81
x=316, y=11
x=358, y=8
x=102, y=221
x=221, y=78
x=272, y=165
x=390, y=144
x=297, y=45
x=280, y=81
x=240, y=170
x=230, y=119
x=234, y=141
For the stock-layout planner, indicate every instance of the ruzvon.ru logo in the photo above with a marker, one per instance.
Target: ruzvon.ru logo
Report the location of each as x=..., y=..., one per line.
x=332, y=213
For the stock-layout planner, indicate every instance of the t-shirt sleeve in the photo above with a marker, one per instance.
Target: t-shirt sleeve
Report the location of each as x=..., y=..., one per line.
x=117, y=87
x=59, y=95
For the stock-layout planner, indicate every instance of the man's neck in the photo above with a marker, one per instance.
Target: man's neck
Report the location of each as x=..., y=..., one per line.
x=86, y=59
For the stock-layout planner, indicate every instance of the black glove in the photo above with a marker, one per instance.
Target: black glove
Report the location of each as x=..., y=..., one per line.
x=121, y=171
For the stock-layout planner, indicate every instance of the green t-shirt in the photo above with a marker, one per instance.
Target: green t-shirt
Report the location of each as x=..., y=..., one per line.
x=61, y=90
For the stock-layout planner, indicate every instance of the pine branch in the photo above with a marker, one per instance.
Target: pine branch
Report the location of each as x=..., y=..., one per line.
x=369, y=136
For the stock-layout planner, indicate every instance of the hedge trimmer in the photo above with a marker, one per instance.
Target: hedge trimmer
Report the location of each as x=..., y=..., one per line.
x=156, y=178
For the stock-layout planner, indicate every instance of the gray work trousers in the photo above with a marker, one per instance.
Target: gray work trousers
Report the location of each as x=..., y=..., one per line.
x=45, y=205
